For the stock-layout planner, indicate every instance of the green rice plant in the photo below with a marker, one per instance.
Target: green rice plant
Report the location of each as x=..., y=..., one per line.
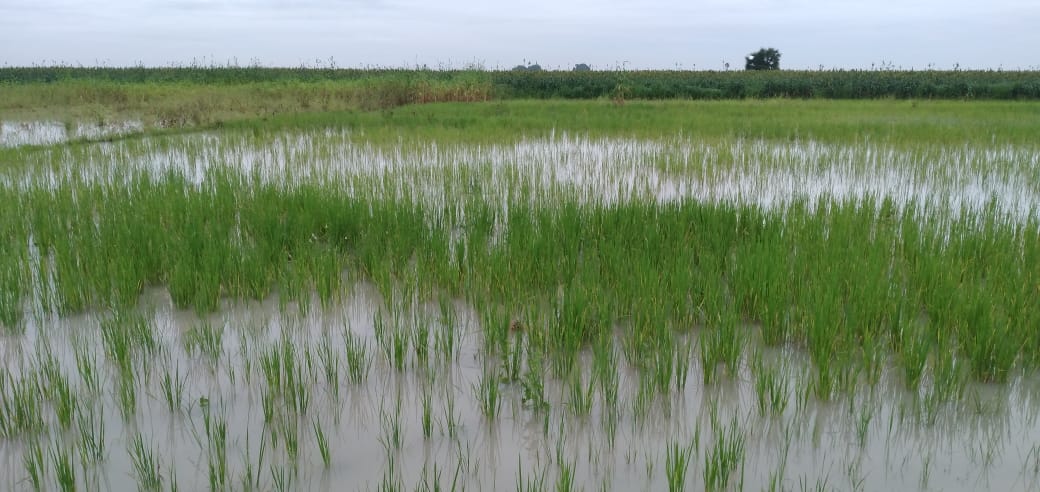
x=329, y=365
x=427, y=413
x=725, y=455
x=771, y=388
x=532, y=383
x=281, y=478
x=535, y=484
x=64, y=471
x=430, y=482
x=644, y=399
x=172, y=387
x=663, y=371
x=146, y=465
x=987, y=342
x=949, y=379
x=35, y=465
x=322, y=442
x=359, y=361
x=398, y=356
x=914, y=349
x=127, y=394
x=444, y=341
x=488, y=396
x=86, y=364
x=580, y=401
x=862, y=422
x=677, y=461
x=91, y=438
x=206, y=340
x=216, y=431
x=421, y=341
x=683, y=357
x=512, y=359
x=565, y=478
x=63, y=400
x=393, y=435
x=286, y=376
x=451, y=422
x=610, y=426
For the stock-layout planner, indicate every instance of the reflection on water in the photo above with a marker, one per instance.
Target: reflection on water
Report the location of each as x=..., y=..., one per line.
x=14, y=134
x=871, y=439
x=768, y=174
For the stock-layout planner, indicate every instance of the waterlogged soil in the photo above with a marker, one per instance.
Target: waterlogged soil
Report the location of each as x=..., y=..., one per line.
x=870, y=438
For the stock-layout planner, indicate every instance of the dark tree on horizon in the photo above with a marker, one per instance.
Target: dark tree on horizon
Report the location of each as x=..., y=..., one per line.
x=763, y=59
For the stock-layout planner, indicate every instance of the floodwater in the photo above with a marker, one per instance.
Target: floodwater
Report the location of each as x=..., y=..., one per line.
x=872, y=439
x=772, y=175
x=19, y=133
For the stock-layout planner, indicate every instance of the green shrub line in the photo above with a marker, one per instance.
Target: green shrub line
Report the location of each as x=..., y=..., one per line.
x=649, y=84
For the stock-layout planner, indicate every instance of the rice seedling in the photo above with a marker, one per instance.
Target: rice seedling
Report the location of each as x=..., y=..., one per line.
x=427, y=413
x=329, y=365
x=488, y=396
x=205, y=340
x=64, y=470
x=723, y=458
x=215, y=430
x=532, y=383
x=771, y=387
x=21, y=409
x=63, y=400
x=392, y=436
x=565, y=480
x=451, y=422
x=421, y=341
x=35, y=465
x=146, y=465
x=359, y=360
x=172, y=387
x=127, y=395
x=398, y=348
x=323, y=443
x=444, y=341
x=677, y=461
x=580, y=401
x=281, y=478
x=92, y=444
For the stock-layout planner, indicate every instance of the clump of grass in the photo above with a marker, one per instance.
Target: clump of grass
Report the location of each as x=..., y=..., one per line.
x=488, y=395
x=35, y=465
x=146, y=465
x=64, y=469
x=677, y=461
x=172, y=387
x=725, y=455
x=359, y=361
x=771, y=387
x=205, y=339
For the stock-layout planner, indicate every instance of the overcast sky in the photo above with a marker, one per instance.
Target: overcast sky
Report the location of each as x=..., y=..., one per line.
x=606, y=34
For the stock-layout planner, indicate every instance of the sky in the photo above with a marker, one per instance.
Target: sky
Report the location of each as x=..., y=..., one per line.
x=556, y=34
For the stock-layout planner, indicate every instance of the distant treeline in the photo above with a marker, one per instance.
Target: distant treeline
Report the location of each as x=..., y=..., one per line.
x=834, y=84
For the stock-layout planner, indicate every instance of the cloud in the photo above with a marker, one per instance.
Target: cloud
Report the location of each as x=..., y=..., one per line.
x=649, y=34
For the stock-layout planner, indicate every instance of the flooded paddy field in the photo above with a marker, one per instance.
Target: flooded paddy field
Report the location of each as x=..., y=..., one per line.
x=318, y=309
